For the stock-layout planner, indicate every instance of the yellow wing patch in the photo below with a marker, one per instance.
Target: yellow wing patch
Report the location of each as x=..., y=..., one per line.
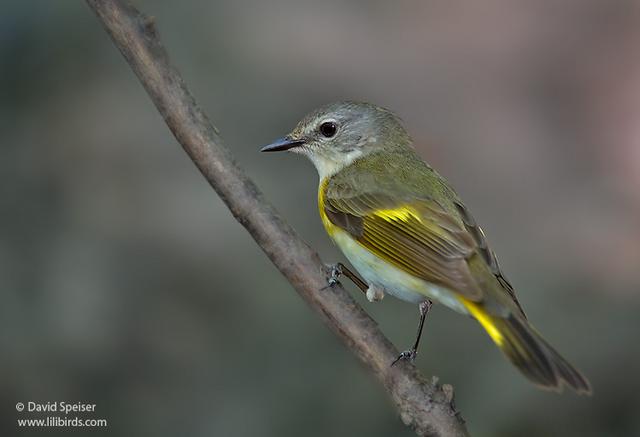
x=415, y=235
x=403, y=213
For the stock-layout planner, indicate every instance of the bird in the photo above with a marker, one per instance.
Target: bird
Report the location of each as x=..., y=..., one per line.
x=407, y=233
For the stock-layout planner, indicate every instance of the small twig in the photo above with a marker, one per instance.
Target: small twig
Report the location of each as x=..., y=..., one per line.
x=426, y=407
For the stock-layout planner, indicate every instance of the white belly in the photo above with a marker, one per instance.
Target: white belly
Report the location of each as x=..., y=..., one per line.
x=396, y=282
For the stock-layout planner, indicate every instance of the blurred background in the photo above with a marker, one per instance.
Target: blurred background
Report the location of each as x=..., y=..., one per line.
x=125, y=282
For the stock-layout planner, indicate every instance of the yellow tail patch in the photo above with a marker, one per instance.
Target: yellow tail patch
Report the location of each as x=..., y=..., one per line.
x=485, y=320
x=528, y=351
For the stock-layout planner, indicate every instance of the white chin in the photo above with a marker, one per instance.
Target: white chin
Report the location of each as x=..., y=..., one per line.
x=327, y=166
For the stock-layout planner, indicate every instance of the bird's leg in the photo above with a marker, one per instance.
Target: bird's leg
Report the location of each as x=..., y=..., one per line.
x=339, y=269
x=410, y=354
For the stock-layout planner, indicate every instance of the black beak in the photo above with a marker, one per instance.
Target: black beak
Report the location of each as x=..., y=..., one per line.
x=282, y=144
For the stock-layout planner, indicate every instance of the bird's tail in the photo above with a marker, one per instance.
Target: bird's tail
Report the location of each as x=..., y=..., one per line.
x=529, y=352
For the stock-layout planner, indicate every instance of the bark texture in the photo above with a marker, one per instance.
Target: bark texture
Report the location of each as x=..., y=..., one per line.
x=425, y=406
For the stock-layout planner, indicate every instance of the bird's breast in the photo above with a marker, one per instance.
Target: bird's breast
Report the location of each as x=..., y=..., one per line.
x=375, y=270
x=328, y=226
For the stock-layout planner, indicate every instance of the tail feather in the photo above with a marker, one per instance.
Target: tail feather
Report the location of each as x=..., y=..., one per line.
x=529, y=352
x=569, y=374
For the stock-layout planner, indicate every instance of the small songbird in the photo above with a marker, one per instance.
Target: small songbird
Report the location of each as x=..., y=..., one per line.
x=406, y=231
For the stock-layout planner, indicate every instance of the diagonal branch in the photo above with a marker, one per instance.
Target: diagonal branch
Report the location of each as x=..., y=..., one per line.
x=426, y=407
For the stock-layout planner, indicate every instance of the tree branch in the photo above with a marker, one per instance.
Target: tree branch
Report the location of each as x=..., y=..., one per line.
x=426, y=407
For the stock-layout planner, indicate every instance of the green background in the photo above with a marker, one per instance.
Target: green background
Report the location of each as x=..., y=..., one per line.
x=125, y=282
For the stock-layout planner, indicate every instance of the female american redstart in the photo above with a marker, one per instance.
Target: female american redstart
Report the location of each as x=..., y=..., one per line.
x=406, y=231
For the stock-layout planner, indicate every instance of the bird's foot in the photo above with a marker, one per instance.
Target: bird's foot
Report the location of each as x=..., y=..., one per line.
x=408, y=355
x=335, y=271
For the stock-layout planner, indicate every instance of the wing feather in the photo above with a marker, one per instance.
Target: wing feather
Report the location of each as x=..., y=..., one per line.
x=415, y=234
x=387, y=203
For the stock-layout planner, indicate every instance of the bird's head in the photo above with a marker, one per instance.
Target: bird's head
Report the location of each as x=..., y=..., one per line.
x=335, y=135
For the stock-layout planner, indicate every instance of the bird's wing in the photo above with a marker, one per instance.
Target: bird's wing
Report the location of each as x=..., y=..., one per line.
x=418, y=235
x=415, y=235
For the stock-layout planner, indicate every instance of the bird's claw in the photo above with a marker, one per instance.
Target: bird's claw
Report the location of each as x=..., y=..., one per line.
x=335, y=270
x=408, y=355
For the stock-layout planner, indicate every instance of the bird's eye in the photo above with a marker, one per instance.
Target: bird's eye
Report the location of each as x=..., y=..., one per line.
x=328, y=129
